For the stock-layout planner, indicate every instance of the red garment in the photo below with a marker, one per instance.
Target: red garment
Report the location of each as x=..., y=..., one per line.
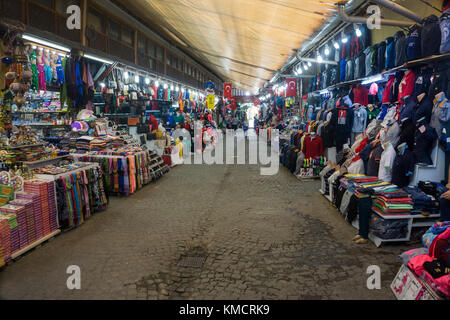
x=361, y=95
x=406, y=87
x=387, y=91
x=312, y=148
x=154, y=122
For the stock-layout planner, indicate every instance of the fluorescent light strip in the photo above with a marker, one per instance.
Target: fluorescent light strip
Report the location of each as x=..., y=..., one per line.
x=88, y=56
x=373, y=79
x=45, y=43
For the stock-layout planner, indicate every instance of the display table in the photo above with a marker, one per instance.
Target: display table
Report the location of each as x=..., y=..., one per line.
x=413, y=221
x=126, y=174
x=79, y=193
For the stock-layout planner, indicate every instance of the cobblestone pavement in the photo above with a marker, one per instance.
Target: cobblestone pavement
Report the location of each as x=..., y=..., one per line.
x=264, y=237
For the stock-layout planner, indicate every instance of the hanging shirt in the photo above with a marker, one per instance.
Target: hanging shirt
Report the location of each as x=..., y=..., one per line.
x=312, y=147
x=406, y=87
x=386, y=163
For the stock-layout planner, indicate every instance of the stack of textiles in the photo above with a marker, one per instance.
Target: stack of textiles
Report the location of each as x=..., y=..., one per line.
x=20, y=214
x=45, y=189
x=392, y=203
x=422, y=203
x=388, y=228
x=30, y=229
x=5, y=240
x=35, y=223
x=14, y=241
x=79, y=195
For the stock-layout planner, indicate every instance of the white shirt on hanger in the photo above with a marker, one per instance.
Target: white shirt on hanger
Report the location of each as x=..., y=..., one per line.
x=386, y=163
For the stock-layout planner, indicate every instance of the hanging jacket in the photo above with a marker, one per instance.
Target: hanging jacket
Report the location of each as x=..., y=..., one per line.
x=400, y=48
x=349, y=68
x=413, y=43
x=381, y=56
x=343, y=70
x=368, y=62
x=444, y=24
x=423, y=81
x=360, y=65
x=424, y=109
x=424, y=140
x=374, y=61
x=390, y=53
x=431, y=36
x=403, y=168
x=360, y=95
x=408, y=109
x=359, y=120
x=406, y=86
x=396, y=86
x=387, y=91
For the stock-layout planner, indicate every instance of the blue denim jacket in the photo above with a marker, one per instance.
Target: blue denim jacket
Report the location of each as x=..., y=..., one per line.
x=359, y=120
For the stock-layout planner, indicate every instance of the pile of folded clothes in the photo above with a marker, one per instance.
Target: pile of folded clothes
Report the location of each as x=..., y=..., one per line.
x=432, y=262
x=388, y=228
x=392, y=201
x=422, y=203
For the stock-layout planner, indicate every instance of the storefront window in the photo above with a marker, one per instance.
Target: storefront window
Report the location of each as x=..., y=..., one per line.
x=113, y=29
x=127, y=36
x=95, y=19
x=159, y=53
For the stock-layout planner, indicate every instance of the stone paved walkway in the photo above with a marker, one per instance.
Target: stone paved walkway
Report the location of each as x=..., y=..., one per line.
x=265, y=237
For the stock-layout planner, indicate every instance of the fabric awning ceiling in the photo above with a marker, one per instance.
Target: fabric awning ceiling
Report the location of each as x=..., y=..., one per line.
x=243, y=41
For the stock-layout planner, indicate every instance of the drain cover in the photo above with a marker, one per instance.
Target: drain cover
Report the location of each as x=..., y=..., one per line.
x=192, y=261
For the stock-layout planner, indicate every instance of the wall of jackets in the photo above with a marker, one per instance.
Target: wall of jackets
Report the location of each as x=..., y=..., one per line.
x=357, y=59
x=79, y=195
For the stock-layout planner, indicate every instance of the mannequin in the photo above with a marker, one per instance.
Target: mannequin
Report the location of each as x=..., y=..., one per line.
x=41, y=70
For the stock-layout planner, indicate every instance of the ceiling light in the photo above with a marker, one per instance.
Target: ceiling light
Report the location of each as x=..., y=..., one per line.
x=327, y=51
x=136, y=79
x=300, y=71
x=171, y=87
x=178, y=88
x=102, y=84
x=344, y=40
x=305, y=67
x=319, y=59
x=336, y=45
x=125, y=75
x=165, y=86
x=45, y=43
x=309, y=64
x=147, y=81
x=157, y=83
x=358, y=32
x=88, y=56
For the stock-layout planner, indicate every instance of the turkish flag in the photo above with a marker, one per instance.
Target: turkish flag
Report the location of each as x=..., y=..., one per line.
x=291, y=84
x=227, y=87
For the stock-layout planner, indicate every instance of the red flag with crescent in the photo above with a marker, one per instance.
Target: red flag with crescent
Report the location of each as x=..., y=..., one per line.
x=227, y=88
x=291, y=84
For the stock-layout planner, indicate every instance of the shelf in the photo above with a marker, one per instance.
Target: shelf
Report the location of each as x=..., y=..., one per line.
x=17, y=254
x=27, y=146
x=39, y=112
x=407, y=65
x=31, y=163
